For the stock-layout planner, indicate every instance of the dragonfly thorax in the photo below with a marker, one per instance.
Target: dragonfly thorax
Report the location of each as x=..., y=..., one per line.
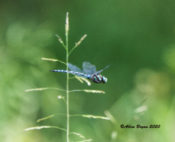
x=98, y=78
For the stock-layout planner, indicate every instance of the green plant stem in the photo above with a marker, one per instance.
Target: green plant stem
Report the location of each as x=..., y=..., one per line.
x=67, y=90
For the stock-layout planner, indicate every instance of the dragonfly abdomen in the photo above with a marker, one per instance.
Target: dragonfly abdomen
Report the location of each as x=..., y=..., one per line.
x=73, y=72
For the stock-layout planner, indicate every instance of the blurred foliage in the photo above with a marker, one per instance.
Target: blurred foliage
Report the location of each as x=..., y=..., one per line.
x=135, y=37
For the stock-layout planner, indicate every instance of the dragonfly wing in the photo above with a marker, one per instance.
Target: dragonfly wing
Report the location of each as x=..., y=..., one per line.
x=98, y=72
x=74, y=68
x=88, y=68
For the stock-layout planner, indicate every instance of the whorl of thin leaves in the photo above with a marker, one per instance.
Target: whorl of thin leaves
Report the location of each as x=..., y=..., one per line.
x=68, y=50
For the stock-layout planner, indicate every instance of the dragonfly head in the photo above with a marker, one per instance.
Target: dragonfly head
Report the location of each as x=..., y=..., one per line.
x=104, y=79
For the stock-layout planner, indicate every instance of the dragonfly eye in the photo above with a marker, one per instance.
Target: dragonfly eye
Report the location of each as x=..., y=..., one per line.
x=104, y=79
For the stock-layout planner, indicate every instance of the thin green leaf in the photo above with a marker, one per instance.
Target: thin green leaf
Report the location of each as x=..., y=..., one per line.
x=78, y=134
x=67, y=24
x=79, y=79
x=82, y=80
x=42, y=89
x=44, y=127
x=89, y=91
x=35, y=89
x=45, y=118
x=90, y=116
x=60, y=97
x=95, y=117
x=53, y=60
x=110, y=116
x=60, y=40
x=114, y=135
x=52, y=127
x=87, y=140
x=95, y=91
x=78, y=43
x=141, y=109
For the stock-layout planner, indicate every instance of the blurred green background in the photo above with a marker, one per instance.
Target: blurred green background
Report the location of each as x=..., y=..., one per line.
x=136, y=37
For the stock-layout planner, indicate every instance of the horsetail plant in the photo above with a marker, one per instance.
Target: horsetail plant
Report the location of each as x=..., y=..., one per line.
x=67, y=91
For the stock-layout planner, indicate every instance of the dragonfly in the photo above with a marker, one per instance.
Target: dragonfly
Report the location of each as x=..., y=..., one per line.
x=88, y=71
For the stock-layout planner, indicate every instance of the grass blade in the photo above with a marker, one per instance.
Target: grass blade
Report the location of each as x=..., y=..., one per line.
x=42, y=89
x=90, y=116
x=61, y=41
x=87, y=140
x=44, y=127
x=82, y=80
x=52, y=60
x=45, y=118
x=53, y=127
x=89, y=91
x=78, y=43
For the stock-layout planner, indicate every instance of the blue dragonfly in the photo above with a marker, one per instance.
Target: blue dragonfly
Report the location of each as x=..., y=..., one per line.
x=88, y=71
